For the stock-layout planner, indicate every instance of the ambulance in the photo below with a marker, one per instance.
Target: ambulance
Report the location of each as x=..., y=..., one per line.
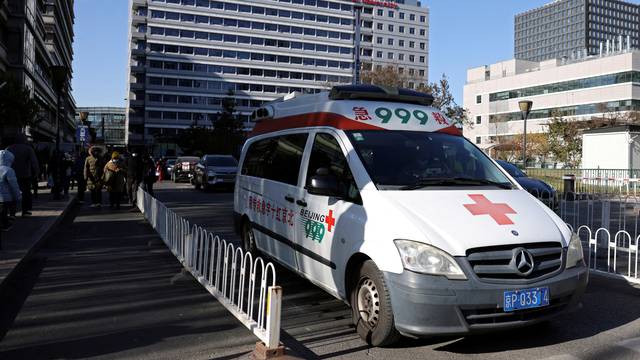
x=375, y=196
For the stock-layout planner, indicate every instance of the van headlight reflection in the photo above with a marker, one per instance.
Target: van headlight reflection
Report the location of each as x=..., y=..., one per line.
x=426, y=259
x=574, y=251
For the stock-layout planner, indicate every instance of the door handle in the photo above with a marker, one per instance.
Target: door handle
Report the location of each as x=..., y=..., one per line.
x=302, y=203
x=289, y=198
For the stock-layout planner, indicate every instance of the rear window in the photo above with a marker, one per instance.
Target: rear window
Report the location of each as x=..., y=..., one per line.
x=226, y=161
x=277, y=158
x=189, y=159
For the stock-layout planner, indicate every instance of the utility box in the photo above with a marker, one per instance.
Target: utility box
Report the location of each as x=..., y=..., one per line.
x=613, y=147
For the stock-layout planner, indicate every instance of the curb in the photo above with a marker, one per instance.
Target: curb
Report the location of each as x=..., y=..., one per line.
x=38, y=244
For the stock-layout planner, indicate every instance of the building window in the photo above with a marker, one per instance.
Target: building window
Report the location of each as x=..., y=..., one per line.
x=478, y=120
x=479, y=99
x=478, y=140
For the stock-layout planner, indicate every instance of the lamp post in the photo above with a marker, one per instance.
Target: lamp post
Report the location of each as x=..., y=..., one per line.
x=525, y=109
x=59, y=77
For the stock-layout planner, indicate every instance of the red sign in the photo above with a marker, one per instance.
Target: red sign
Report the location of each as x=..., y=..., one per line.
x=389, y=4
x=483, y=206
x=330, y=220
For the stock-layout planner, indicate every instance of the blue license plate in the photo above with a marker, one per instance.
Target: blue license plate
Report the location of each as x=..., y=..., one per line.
x=526, y=299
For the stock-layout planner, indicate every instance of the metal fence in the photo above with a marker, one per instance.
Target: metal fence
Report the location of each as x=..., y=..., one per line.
x=609, y=227
x=601, y=181
x=243, y=285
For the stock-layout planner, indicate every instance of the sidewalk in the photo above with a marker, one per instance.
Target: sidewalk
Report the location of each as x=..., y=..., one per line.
x=28, y=233
x=106, y=292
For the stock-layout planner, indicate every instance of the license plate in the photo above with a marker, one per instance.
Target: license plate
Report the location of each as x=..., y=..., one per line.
x=526, y=299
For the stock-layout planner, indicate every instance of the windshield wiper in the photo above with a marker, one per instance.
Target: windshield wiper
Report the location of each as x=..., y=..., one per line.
x=456, y=181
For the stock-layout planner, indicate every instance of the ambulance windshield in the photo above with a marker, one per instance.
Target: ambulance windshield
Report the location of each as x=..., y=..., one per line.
x=411, y=160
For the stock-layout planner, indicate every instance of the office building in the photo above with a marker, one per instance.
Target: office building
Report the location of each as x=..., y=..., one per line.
x=106, y=123
x=34, y=36
x=597, y=86
x=186, y=56
x=575, y=28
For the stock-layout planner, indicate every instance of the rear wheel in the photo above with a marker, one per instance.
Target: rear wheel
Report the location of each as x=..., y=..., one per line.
x=248, y=238
x=371, y=307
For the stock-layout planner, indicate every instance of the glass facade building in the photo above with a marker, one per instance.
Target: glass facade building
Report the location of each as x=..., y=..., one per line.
x=107, y=123
x=575, y=28
x=186, y=56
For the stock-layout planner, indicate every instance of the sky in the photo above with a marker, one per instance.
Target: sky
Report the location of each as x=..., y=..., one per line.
x=462, y=34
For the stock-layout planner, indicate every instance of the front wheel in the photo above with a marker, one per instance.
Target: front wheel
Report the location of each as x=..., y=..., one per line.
x=371, y=307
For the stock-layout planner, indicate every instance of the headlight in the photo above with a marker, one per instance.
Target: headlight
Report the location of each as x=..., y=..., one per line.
x=574, y=251
x=427, y=259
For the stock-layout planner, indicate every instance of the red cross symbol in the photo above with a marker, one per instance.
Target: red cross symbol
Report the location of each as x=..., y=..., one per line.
x=330, y=220
x=483, y=206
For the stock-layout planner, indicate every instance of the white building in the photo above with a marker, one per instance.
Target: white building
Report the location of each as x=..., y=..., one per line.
x=186, y=55
x=581, y=89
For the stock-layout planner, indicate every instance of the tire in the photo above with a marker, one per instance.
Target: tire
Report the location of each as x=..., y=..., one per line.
x=248, y=238
x=370, y=296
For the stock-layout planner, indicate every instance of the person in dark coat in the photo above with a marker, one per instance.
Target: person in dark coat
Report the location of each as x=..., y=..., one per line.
x=26, y=167
x=135, y=171
x=149, y=173
x=115, y=179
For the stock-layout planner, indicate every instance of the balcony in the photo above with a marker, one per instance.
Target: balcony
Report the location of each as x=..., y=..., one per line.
x=138, y=69
x=136, y=103
x=138, y=52
x=136, y=86
x=137, y=35
x=138, y=19
x=138, y=3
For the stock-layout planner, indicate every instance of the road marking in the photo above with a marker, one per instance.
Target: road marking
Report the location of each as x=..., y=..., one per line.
x=631, y=344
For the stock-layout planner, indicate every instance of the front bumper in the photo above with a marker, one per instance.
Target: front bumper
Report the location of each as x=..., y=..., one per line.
x=221, y=180
x=425, y=305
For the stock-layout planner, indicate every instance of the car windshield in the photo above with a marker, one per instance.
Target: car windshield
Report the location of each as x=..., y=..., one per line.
x=189, y=159
x=512, y=169
x=409, y=160
x=171, y=161
x=226, y=161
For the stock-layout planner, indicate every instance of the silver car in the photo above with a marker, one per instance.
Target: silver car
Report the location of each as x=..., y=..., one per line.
x=215, y=170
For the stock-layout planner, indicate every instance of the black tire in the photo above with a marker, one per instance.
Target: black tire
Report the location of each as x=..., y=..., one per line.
x=248, y=238
x=370, y=295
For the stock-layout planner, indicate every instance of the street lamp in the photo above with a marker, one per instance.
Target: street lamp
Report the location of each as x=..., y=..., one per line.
x=59, y=77
x=525, y=109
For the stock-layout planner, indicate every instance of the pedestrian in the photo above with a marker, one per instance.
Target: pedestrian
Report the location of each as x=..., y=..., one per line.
x=25, y=164
x=78, y=174
x=115, y=179
x=66, y=164
x=135, y=172
x=150, y=176
x=9, y=189
x=93, y=168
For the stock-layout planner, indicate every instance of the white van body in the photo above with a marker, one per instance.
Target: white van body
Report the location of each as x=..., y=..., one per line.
x=326, y=239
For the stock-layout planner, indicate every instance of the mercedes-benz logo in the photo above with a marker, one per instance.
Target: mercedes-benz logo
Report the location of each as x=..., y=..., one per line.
x=522, y=261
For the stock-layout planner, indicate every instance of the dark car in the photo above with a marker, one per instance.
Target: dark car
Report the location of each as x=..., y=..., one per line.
x=215, y=170
x=184, y=168
x=538, y=188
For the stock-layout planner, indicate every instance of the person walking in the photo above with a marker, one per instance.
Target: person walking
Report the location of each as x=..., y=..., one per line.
x=9, y=189
x=25, y=165
x=134, y=177
x=149, y=173
x=78, y=174
x=115, y=180
x=93, y=169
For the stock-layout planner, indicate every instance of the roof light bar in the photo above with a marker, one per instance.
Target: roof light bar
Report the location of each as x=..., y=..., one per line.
x=380, y=93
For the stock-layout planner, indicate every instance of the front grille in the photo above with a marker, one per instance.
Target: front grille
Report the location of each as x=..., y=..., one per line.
x=495, y=315
x=497, y=263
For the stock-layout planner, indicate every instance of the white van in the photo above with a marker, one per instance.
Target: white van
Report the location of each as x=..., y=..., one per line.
x=376, y=197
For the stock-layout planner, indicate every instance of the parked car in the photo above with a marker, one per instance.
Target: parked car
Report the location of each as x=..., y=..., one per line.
x=538, y=188
x=376, y=197
x=169, y=163
x=215, y=170
x=184, y=168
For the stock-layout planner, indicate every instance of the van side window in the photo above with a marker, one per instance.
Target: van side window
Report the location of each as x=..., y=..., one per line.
x=276, y=158
x=326, y=153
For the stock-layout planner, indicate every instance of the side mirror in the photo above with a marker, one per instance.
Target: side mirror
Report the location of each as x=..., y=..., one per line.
x=324, y=184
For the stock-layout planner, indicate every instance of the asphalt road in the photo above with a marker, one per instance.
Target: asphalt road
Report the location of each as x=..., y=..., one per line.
x=606, y=326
